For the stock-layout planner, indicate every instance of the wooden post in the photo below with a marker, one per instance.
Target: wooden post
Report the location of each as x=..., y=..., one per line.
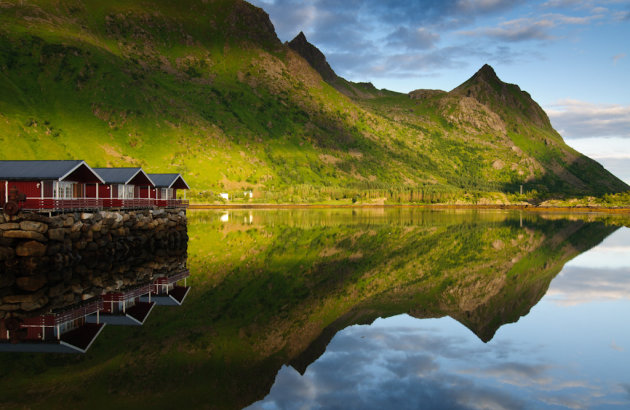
x=6, y=191
x=521, y=189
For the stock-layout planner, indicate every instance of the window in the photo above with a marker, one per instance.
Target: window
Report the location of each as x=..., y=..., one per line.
x=121, y=191
x=164, y=194
x=64, y=190
x=130, y=192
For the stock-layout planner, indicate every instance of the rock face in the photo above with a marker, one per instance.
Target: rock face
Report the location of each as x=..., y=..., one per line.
x=486, y=87
x=315, y=58
x=50, y=263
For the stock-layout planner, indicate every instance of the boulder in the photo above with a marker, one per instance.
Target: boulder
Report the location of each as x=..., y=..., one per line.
x=10, y=307
x=27, y=298
x=37, y=304
x=9, y=226
x=85, y=216
x=56, y=234
x=69, y=221
x=57, y=290
x=33, y=226
x=31, y=248
x=31, y=283
x=25, y=235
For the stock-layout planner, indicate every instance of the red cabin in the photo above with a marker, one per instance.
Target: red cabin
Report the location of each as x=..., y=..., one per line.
x=64, y=331
x=165, y=191
x=125, y=307
x=123, y=188
x=166, y=291
x=71, y=185
x=48, y=185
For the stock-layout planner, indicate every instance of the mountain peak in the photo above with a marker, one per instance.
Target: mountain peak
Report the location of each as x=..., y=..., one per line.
x=314, y=56
x=488, y=89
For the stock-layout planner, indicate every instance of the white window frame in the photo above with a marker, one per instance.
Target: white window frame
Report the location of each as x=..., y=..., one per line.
x=64, y=190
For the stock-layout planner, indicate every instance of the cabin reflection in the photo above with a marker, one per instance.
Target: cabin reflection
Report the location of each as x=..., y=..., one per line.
x=87, y=299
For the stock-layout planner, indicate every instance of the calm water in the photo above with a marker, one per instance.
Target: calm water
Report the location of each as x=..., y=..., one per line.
x=396, y=308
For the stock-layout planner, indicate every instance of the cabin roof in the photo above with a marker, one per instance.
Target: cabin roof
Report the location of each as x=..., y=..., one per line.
x=169, y=181
x=134, y=176
x=59, y=170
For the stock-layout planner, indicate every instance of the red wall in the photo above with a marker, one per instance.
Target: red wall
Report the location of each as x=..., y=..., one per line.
x=26, y=187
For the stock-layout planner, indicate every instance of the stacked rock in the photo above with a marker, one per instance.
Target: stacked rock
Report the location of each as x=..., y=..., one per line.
x=47, y=263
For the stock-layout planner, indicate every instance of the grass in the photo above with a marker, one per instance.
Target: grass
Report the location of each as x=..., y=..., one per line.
x=207, y=89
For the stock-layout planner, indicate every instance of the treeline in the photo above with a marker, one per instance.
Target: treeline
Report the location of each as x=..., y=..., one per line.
x=393, y=194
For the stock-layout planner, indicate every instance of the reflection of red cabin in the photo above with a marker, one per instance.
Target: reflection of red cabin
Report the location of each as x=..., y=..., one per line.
x=64, y=331
x=166, y=186
x=125, y=307
x=49, y=185
x=123, y=188
x=166, y=291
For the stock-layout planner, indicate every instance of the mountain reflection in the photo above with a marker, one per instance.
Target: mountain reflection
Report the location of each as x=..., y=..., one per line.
x=273, y=287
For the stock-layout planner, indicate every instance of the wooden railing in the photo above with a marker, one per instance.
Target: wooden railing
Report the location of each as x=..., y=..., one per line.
x=58, y=318
x=128, y=294
x=53, y=204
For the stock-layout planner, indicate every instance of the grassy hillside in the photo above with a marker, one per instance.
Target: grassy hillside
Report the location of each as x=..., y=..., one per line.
x=207, y=89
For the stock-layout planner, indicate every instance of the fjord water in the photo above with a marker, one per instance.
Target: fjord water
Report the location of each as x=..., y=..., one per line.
x=369, y=308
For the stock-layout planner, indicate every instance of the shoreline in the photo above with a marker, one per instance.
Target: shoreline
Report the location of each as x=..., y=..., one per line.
x=530, y=208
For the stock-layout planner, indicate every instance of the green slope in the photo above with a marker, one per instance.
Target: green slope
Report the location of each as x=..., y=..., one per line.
x=207, y=89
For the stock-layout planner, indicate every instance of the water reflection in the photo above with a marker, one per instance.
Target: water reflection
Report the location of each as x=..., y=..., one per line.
x=279, y=293
x=570, y=351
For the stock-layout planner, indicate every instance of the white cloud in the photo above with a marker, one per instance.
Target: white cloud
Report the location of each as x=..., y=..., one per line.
x=529, y=28
x=580, y=119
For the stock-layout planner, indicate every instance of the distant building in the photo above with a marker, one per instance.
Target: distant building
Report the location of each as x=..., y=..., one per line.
x=225, y=196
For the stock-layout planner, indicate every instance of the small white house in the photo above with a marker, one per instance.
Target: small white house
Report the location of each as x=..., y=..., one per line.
x=225, y=196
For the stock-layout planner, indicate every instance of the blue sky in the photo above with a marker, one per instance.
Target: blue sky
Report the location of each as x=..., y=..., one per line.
x=572, y=56
x=570, y=351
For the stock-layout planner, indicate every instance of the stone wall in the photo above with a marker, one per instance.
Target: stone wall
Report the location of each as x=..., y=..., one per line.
x=48, y=263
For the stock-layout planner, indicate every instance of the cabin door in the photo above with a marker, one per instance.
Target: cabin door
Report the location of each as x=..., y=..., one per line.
x=77, y=190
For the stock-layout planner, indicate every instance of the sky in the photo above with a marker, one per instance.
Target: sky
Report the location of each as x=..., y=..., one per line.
x=572, y=56
x=570, y=351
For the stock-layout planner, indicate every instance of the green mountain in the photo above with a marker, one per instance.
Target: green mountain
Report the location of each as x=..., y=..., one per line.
x=206, y=88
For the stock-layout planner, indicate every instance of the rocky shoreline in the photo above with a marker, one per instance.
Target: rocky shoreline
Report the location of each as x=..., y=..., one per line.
x=48, y=263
